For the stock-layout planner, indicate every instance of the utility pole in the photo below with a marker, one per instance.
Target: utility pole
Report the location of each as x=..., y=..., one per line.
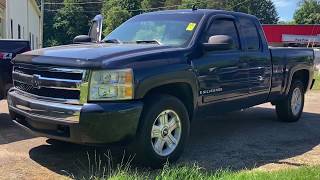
x=41, y=21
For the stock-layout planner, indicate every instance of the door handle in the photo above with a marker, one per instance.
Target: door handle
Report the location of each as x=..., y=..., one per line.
x=243, y=65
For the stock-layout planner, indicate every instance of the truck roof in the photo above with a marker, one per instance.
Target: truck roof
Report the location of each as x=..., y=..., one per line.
x=204, y=12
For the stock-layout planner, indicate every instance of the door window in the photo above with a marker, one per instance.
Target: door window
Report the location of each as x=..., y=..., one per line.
x=250, y=34
x=224, y=27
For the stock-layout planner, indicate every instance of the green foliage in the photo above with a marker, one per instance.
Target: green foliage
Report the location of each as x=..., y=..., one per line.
x=115, y=12
x=146, y=4
x=196, y=172
x=265, y=10
x=308, y=12
x=287, y=22
x=69, y=22
x=173, y=3
x=74, y=19
x=116, y=16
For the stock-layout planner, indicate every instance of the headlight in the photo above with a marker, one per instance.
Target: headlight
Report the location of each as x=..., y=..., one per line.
x=111, y=85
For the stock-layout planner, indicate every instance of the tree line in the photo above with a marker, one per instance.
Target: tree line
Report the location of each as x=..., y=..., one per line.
x=65, y=19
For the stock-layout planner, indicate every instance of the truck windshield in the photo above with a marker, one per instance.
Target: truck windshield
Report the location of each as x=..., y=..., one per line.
x=164, y=29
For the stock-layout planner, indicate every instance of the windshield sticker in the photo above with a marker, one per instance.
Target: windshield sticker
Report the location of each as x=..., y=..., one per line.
x=191, y=26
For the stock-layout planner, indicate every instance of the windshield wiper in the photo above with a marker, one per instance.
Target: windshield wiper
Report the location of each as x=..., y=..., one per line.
x=148, y=42
x=116, y=41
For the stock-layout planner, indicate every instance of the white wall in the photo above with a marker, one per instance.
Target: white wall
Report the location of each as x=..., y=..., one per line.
x=34, y=26
x=2, y=22
x=26, y=15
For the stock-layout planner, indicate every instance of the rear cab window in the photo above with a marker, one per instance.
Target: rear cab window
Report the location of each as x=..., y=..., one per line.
x=250, y=34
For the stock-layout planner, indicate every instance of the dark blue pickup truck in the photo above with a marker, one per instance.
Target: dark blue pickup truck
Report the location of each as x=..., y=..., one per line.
x=147, y=80
x=9, y=48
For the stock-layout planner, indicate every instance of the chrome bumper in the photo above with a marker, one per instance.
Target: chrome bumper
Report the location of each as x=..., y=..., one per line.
x=39, y=108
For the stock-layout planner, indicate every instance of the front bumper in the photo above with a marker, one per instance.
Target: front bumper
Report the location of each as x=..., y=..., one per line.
x=91, y=123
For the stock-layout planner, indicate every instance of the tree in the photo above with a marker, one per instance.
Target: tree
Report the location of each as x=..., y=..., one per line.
x=308, y=12
x=172, y=3
x=115, y=12
x=147, y=4
x=48, y=30
x=116, y=16
x=69, y=22
x=265, y=10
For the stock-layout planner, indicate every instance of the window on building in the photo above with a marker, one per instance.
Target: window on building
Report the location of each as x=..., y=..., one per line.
x=1, y=28
x=33, y=41
x=19, y=31
x=30, y=39
x=2, y=23
x=11, y=28
x=37, y=43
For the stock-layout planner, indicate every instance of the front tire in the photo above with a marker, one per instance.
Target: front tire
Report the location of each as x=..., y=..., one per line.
x=163, y=132
x=291, y=108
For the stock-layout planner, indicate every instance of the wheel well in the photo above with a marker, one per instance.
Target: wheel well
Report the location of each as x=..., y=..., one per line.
x=182, y=91
x=302, y=75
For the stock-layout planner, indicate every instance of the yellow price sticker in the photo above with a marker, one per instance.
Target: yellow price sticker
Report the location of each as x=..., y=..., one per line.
x=191, y=26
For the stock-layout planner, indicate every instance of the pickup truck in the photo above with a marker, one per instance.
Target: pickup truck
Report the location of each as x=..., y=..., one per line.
x=8, y=50
x=145, y=82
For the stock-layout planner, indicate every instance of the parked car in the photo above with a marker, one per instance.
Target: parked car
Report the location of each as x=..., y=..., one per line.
x=8, y=50
x=147, y=80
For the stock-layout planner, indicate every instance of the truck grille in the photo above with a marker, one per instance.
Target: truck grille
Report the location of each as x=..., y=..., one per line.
x=50, y=82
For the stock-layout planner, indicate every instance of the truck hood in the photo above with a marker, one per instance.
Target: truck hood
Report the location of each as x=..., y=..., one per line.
x=88, y=55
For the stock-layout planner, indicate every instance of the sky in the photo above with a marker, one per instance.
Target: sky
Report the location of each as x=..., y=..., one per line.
x=286, y=8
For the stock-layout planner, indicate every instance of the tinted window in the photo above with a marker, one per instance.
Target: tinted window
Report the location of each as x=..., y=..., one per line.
x=167, y=29
x=250, y=34
x=224, y=27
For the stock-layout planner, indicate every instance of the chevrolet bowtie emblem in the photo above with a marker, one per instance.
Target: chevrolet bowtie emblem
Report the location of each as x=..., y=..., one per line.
x=35, y=81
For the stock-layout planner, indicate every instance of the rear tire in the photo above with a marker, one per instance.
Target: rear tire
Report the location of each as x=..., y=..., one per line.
x=291, y=108
x=163, y=131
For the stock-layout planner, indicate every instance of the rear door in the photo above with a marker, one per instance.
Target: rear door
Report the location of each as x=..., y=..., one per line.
x=222, y=75
x=258, y=58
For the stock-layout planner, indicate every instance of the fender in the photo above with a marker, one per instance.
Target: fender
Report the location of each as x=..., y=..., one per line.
x=178, y=73
x=291, y=73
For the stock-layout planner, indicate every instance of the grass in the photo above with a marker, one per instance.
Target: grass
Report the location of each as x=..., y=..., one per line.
x=317, y=83
x=124, y=171
x=197, y=173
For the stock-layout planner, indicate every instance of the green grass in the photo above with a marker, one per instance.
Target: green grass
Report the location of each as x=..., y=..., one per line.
x=197, y=173
x=317, y=83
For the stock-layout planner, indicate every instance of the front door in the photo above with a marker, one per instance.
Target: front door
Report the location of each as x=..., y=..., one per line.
x=222, y=75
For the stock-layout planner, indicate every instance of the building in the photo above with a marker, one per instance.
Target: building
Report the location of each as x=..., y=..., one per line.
x=293, y=35
x=21, y=19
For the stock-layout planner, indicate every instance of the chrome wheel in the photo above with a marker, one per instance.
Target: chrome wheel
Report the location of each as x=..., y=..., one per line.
x=296, y=101
x=166, y=132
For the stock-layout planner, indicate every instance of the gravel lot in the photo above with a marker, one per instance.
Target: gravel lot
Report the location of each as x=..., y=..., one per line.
x=250, y=139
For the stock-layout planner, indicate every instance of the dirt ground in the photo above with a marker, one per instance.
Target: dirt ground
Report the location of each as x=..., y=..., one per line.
x=249, y=139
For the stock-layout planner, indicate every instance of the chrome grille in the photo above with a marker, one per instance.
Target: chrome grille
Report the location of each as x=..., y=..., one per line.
x=51, y=82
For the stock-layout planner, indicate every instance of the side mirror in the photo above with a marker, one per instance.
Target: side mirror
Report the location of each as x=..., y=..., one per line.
x=81, y=39
x=219, y=43
x=95, y=32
